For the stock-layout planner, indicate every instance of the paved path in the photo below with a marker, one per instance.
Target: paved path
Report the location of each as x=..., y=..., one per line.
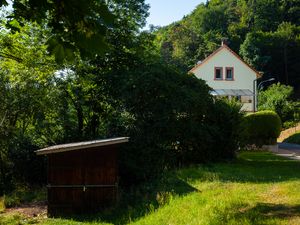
x=288, y=146
x=288, y=150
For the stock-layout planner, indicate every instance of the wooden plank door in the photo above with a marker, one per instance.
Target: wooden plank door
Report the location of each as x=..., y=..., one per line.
x=65, y=180
x=100, y=177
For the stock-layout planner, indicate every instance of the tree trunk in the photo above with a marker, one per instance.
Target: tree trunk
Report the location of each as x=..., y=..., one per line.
x=79, y=120
x=285, y=65
x=94, y=124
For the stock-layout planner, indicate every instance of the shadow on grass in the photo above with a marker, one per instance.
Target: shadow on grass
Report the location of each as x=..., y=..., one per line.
x=264, y=212
x=257, y=168
x=277, y=210
x=139, y=201
x=249, y=167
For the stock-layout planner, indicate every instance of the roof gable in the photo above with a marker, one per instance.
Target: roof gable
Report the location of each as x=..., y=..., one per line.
x=232, y=53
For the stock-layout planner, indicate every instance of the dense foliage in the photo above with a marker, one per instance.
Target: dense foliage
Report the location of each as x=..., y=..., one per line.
x=261, y=128
x=77, y=27
x=71, y=28
x=138, y=88
x=264, y=32
x=278, y=98
x=176, y=122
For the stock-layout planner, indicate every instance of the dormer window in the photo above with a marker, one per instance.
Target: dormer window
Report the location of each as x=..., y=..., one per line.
x=229, y=73
x=218, y=73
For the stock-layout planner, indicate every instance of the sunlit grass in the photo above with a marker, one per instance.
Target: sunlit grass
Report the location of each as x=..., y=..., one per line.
x=259, y=188
x=2, y=207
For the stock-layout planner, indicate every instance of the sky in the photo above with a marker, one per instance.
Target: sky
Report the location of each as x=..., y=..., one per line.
x=164, y=12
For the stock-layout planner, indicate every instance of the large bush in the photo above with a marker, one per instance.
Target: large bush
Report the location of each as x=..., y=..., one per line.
x=261, y=128
x=176, y=122
x=226, y=118
x=168, y=110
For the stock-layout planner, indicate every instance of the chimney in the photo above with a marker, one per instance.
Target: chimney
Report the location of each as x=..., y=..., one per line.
x=224, y=41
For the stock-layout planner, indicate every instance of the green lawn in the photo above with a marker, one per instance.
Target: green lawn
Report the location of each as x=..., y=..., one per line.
x=257, y=188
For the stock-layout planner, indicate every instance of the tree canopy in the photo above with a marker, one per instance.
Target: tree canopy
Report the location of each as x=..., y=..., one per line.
x=76, y=25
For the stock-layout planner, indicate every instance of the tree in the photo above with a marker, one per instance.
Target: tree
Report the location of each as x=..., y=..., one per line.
x=179, y=48
x=26, y=103
x=275, y=53
x=277, y=98
x=174, y=121
x=291, y=10
x=262, y=15
x=74, y=24
x=287, y=37
x=253, y=50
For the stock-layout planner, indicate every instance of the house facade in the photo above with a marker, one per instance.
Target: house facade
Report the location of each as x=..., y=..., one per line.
x=229, y=76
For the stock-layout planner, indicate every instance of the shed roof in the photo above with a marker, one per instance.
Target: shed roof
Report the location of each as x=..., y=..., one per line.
x=81, y=145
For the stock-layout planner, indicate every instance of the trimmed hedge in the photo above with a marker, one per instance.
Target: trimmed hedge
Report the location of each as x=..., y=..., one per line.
x=261, y=128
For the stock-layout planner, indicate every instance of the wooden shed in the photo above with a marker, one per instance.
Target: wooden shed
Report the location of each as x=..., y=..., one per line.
x=83, y=176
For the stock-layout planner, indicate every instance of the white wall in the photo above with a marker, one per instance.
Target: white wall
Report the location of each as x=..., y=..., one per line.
x=248, y=107
x=243, y=75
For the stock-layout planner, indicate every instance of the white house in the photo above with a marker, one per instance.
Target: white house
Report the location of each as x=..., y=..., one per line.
x=228, y=75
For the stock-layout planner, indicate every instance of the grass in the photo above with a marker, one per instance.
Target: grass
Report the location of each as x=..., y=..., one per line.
x=257, y=188
x=294, y=138
x=24, y=194
x=2, y=206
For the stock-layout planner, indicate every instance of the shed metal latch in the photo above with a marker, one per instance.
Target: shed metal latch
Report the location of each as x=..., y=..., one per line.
x=84, y=187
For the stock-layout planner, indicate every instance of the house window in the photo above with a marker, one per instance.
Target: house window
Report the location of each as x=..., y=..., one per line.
x=229, y=73
x=218, y=73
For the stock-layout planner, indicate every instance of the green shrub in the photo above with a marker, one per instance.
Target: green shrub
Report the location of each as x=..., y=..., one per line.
x=261, y=128
x=289, y=124
x=278, y=98
x=294, y=139
x=24, y=194
x=27, y=167
x=224, y=127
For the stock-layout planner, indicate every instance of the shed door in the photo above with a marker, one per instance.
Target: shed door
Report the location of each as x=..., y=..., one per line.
x=65, y=179
x=100, y=177
x=81, y=180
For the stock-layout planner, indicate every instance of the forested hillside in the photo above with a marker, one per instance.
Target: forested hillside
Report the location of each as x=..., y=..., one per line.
x=266, y=33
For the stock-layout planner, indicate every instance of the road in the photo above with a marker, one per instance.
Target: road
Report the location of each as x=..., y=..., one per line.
x=289, y=150
x=291, y=147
